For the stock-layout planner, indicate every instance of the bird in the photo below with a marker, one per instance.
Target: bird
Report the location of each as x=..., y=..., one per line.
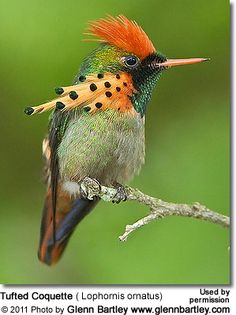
x=97, y=125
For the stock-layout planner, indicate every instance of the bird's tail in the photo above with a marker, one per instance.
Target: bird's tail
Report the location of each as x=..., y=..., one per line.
x=69, y=212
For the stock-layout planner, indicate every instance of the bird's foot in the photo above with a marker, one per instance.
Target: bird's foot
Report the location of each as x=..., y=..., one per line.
x=89, y=187
x=120, y=193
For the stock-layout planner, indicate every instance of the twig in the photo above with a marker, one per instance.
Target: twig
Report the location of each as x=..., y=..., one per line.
x=158, y=208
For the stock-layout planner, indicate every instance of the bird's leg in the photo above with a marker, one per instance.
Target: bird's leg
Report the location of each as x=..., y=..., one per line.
x=120, y=194
x=89, y=187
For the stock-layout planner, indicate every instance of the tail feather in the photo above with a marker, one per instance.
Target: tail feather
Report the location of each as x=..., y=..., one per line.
x=69, y=213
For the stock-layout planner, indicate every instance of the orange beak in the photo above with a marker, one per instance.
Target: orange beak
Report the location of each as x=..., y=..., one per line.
x=180, y=62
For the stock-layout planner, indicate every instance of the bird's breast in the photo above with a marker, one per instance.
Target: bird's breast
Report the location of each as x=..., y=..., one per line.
x=108, y=146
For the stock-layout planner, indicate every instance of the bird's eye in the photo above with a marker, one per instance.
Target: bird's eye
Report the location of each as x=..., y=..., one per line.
x=131, y=61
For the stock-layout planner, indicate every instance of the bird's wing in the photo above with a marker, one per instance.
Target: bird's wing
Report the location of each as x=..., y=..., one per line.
x=61, y=211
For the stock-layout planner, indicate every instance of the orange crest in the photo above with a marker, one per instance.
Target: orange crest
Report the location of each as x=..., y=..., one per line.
x=123, y=33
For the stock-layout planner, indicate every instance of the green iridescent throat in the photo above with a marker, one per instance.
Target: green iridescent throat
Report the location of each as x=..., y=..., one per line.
x=141, y=99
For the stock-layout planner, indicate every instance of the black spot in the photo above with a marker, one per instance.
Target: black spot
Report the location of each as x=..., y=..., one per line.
x=118, y=108
x=100, y=76
x=118, y=89
x=118, y=76
x=107, y=84
x=59, y=90
x=93, y=87
x=60, y=105
x=125, y=84
x=108, y=94
x=73, y=95
x=28, y=110
x=98, y=105
x=82, y=78
x=87, y=108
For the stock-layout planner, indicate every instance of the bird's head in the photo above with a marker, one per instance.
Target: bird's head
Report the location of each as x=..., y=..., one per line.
x=126, y=47
x=125, y=50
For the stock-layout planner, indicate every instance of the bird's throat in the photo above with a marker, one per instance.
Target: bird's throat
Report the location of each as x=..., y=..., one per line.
x=144, y=86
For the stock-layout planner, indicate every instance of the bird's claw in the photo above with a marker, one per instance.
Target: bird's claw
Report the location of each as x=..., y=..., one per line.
x=89, y=187
x=120, y=194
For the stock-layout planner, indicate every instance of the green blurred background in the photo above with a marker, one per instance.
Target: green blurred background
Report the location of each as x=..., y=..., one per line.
x=187, y=144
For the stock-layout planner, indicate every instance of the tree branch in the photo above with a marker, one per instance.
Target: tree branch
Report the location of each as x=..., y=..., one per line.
x=158, y=208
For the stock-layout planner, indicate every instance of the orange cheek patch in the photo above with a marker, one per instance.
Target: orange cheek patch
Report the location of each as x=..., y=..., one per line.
x=94, y=93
